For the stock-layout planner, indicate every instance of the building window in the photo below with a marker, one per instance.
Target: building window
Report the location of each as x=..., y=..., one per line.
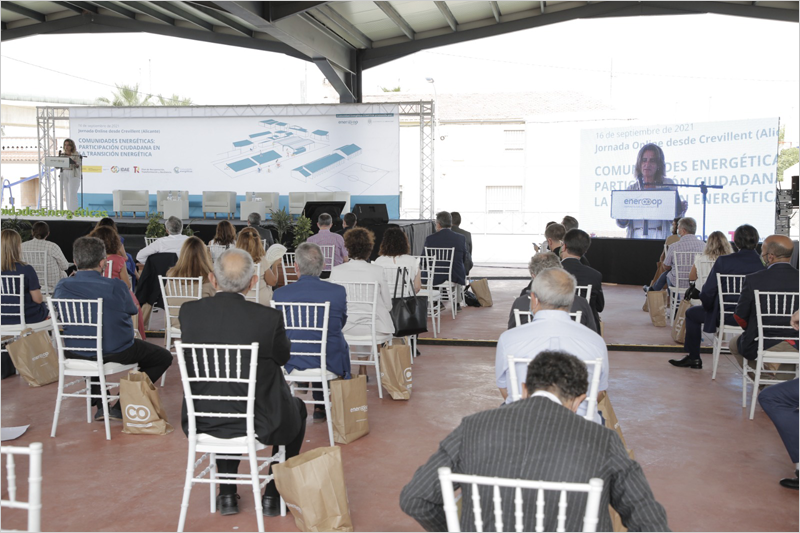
x=503, y=199
x=515, y=139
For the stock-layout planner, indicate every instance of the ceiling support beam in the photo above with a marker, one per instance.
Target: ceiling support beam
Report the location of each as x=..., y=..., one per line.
x=70, y=6
x=144, y=7
x=495, y=11
x=222, y=19
x=185, y=15
x=281, y=10
x=340, y=80
x=83, y=6
x=24, y=11
x=345, y=25
x=111, y=6
x=447, y=14
x=395, y=17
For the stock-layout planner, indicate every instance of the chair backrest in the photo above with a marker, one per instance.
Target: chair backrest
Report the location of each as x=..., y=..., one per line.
x=12, y=291
x=290, y=274
x=149, y=240
x=77, y=327
x=34, y=503
x=306, y=317
x=527, y=316
x=264, y=244
x=682, y=264
x=221, y=364
x=593, y=489
x=594, y=366
x=773, y=311
x=390, y=273
x=362, y=302
x=328, y=251
x=440, y=261
x=254, y=293
x=38, y=260
x=426, y=266
x=107, y=271
x=584, y=291
x=729, y=287
x=177, y=291
x=216, y=250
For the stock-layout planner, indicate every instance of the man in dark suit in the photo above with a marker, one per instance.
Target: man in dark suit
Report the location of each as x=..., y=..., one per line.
x=539, y=438
x=576, y=243
x=447, y=238
x=744, y=261
x=228, y=318
x=467, y=235
x=254, y=221
x=780, y=276
x=349, y=222
x=310, y=288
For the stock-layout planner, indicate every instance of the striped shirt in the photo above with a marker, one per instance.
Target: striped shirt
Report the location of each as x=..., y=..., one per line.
x=687, y=243
x=57, y=264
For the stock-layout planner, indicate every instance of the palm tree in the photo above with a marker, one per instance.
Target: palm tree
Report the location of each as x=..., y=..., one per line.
x=174, y=100
x=127, y=96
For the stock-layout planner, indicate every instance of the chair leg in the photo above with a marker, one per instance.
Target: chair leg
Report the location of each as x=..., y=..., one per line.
x=169, y=348
x=377, y=359
x=326, y=397
x=756, y=381
x=88, y=400
x=212, y=476
x=104, y=394
x=715, y=354
x=744, y=386
x=58, y=402
x=256, y=486
x=187, y=486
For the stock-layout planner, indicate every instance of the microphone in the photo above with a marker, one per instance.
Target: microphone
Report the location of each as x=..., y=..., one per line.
x=59, y=153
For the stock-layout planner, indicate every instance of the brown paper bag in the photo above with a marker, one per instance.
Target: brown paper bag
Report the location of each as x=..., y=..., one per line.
x=396, y=370
x=349, y=409
x=142, y=413
x=481, y=289
x=657, y=305
x=35, y=357
x=312, y=485
x=679, y=326
x=611, y=421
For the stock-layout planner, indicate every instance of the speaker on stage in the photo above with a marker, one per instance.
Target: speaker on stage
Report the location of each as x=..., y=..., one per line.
x=371, y=214
x=313, y=210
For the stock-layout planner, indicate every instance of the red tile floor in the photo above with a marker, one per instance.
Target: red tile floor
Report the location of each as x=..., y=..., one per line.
x=711, y=467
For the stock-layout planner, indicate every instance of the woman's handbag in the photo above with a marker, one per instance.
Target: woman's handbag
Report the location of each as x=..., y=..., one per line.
x=409, y=313
x=691, y=293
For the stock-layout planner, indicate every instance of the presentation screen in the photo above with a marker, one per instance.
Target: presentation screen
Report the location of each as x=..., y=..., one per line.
x=304, y=148
x=739, y=156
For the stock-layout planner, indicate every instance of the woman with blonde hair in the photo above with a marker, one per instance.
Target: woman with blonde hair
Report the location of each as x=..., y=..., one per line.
x=12, y=265
x=250, y=241
x=717, y=245
x=224, y=239
x=194, y=261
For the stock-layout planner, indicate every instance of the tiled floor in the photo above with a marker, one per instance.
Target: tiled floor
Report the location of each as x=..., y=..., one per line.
x=711, y=467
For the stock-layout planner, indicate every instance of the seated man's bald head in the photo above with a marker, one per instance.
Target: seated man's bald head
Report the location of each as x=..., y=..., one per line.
x=780, y=246
x=233, y=270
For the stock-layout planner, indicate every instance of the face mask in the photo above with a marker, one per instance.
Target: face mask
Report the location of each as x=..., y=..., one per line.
x=764, y=261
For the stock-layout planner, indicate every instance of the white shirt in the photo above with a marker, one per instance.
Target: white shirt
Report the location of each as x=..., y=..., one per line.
x=357, y=323
x=56, y=262
x=171, y=244
x=408, y=261
x=550, y=330
x=549, y=395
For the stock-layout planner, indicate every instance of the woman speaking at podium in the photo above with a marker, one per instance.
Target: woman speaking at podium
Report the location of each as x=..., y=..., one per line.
x=650, y=175
x=71, y=177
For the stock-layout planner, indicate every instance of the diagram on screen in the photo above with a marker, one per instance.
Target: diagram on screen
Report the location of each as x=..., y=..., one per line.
x=355, y=179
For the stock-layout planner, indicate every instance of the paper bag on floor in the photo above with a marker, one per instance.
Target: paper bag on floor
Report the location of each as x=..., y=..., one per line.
x=481, y=289
x=312, y=485
x=679, y=325
x=657, y=305
x=611, y=421
x=396, y=370
x=349, y=409
x=35, y=357
x=142, y=413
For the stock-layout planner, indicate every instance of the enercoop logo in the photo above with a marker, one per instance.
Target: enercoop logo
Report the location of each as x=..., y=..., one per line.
x=357, y=409
x=138, y=413
x=40, y=356
x=644, y=202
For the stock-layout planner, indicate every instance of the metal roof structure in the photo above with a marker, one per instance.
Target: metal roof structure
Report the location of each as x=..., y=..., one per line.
x=342, y=38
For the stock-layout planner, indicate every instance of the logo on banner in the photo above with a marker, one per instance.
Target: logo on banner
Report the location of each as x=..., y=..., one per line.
x=135, y=170
x=644, y=202
x=115, y=169
x=137, y=412
x=178, y=170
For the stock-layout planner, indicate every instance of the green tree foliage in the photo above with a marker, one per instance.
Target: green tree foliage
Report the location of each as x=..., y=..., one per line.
x=302, y=231
x=282, y=221
x=787, y=157
x=131, y=96
x=391, y=89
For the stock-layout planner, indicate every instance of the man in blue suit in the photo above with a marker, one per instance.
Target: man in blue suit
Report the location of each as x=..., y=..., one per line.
x=744, y=261
x=447, y=238
x=309, y=288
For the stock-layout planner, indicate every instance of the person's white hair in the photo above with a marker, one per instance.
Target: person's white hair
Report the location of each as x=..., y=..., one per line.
x=174, y=226
x=688, y=224
x=543, y=261
x=234, y=269
x=309, y=259
x=554, y=288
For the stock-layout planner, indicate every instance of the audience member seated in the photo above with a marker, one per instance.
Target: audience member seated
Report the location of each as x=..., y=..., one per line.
x=447, y=238
x=745, y=261
x=194, y=262
x=118, y=271
x=326, y=238
x=310, y=288
x=673, y=238
x=717, y=245
x=569, y=222
x=250, y=241
x=394, y=252
x=227, y=318
x=780, y=276
x=359, y=243
x=537, y=264
x=349, y=222
x=224, y=237
x=551, y=297
x=537, y=438
x=170, y=244
x=130, y=264
x=687, y=226
x=545, y=246
x=35, y=309
x=119, y=344
x=576, y=244
x=554, y=235
x=57, y=264
x=467, y=235
x=254, y=221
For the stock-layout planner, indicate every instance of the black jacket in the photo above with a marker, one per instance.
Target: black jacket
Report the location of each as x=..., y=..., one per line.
x=588, y=276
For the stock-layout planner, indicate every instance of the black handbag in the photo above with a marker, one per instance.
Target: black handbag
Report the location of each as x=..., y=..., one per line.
x=409, y=313
x=691, y=293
